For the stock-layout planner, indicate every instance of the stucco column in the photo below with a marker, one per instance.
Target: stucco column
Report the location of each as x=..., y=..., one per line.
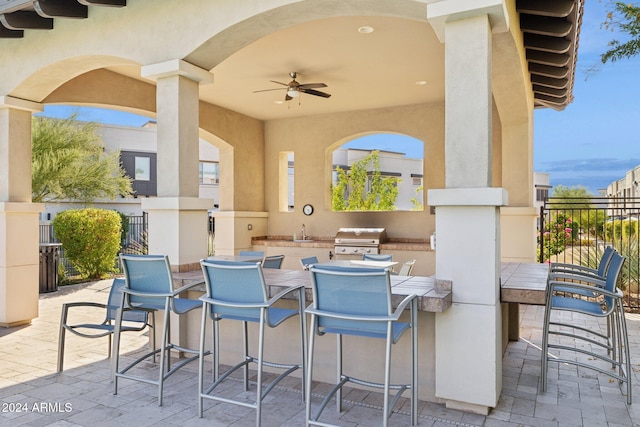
x=19, y=258
x=177, y=217
x=469, y=334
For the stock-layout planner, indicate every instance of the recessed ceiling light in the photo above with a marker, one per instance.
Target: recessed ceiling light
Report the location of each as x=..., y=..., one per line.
x=278, y=102
x=365, y=30
x=421, y=82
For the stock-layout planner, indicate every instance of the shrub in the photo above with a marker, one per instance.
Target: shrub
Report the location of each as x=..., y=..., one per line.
x=90, y=238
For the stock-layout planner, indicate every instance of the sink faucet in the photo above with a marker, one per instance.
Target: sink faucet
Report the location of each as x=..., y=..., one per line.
x=303, y=233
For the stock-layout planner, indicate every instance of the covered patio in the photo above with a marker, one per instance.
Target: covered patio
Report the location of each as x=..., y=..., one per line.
x=196, y=68
x=33, y=394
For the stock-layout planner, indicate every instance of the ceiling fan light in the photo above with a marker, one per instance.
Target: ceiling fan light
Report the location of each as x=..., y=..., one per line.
x=292, y=92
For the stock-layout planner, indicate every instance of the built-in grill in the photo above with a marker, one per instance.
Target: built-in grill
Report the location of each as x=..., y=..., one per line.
x=359, y=241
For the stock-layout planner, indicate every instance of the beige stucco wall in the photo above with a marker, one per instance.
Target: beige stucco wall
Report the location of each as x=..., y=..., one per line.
x=312, y=139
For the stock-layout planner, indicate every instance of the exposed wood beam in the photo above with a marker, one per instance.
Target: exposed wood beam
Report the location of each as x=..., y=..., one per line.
x=552, y=100
x=554, y=8
x=546, y=43
x=546, y=58
x=549, y=82
x=24, y=20
x=6, y=33
x=545, y=26
x=550, y=91
x=60, y=8
x=548, y=71
x=114, y=3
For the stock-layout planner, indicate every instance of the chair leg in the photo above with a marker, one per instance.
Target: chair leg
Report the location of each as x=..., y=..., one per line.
x=203, y=331
x=61, y=337
x=387, y=376
x=414, y=362
x=339, y=371
x=115, y=358
x=260, y=366
x=312, y=338
x=545, y=346
x=245, y=351
x=164, y=350
x=216, y=349
x=624, y=351
x=303, y=337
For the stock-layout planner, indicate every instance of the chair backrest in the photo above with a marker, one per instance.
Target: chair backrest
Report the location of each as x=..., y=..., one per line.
x=234, y=282
x=308, y=262
x=256, y=254
x=377, y=257
x=407, y=268
x=147, y=273
x=613, y=272
x=605, y=260
x=352, y=291
x=113, y=303
x=272, y=261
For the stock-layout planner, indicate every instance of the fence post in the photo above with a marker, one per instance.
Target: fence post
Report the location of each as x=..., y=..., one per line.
x=541, y=230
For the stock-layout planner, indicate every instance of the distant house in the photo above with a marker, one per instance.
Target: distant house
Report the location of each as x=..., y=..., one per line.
x=138, y=146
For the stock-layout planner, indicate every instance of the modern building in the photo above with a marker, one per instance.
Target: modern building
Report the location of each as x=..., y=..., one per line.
x=462, y=76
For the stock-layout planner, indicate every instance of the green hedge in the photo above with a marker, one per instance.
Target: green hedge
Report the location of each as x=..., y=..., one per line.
x=90, y=238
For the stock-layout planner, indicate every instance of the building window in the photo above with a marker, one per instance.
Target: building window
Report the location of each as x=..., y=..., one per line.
x=208, y=173
x=143, y=168
x=542, y=194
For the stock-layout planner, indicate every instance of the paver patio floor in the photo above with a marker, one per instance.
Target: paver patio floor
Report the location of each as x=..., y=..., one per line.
x=33, y=394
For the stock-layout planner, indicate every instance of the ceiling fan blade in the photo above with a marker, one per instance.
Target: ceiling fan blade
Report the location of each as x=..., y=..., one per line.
x=312, y=85
x=280, y=83
x=316, y=93
x=267, y=90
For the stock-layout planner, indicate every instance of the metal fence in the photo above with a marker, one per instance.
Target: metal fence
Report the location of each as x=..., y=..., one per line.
x=134, y=241
x=576, y=231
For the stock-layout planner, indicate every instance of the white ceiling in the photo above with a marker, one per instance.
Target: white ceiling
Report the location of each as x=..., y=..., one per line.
x=361, y=71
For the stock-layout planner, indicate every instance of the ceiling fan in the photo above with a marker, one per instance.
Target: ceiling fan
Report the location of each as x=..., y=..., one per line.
x=294, y=88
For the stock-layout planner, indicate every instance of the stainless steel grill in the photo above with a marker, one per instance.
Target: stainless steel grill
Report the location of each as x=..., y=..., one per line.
x=359, y=241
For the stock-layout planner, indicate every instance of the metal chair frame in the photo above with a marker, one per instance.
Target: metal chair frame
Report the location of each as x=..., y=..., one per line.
x=272, y=261
x=356, y=322
x=308, y=262
x=106, y=327
x=239, y=301
x=377, y=257
x=601, y=299
x=151, y=296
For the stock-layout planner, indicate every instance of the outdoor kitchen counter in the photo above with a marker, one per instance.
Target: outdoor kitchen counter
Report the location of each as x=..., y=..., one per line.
x=329, y=243
x=433, y=295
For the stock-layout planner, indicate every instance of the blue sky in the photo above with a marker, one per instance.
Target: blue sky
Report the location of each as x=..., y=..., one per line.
x=591, y=143
x=595, y=140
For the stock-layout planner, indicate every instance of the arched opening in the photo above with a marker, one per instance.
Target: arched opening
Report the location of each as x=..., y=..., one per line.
x=378, y=172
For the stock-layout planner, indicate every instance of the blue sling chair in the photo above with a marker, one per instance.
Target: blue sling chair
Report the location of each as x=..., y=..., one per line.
x=355, y=301
x=589, y=297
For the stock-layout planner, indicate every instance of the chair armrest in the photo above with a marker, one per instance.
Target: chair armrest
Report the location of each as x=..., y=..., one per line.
x=208, y=300
x=147, y=294
x=315, y=311
x=403, y=305
x=566, y=266
x=284, y=292
x=577, y=274
x=567, y=286
x=592, y=280
x=68, y=305
x=187, y=287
